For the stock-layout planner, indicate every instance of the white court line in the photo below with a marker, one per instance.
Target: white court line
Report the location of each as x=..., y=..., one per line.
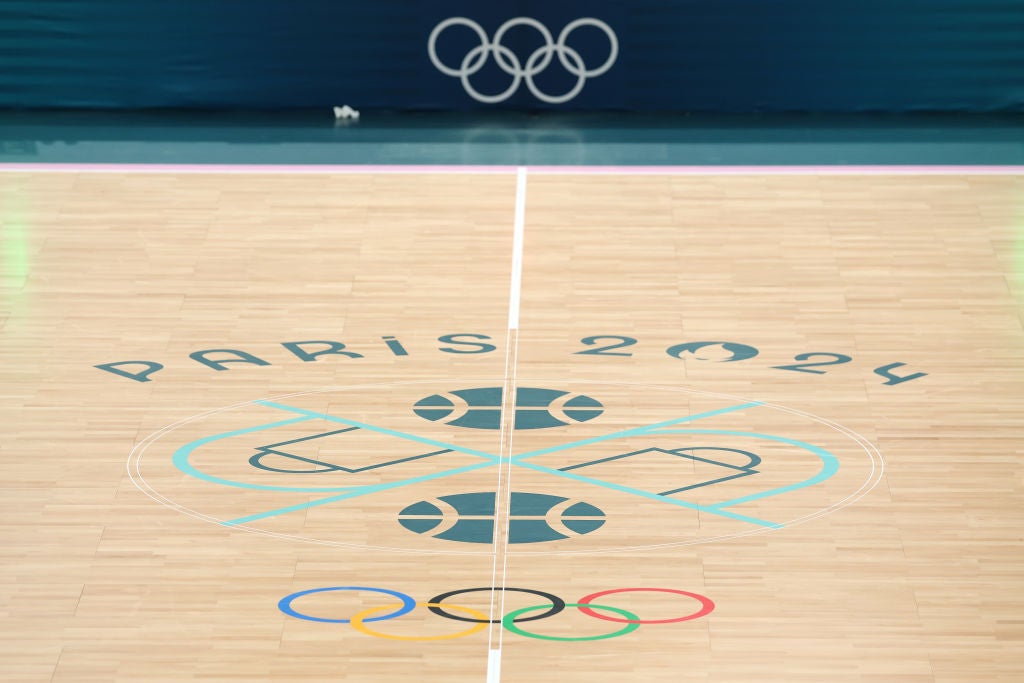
x=503, y=492
x=516, y=284
x=493, y=666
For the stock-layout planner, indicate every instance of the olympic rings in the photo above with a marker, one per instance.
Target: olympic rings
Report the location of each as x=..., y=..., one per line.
x=509, y=62
x=480, y=623
x=285, y=605
x=557, y=603
x=510, y=621
x=706, y=605
x=632, y=623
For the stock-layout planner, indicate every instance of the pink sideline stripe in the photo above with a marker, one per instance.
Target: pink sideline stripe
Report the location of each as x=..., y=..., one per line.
x=286, y=169
x=777, y=170
x=250, y=168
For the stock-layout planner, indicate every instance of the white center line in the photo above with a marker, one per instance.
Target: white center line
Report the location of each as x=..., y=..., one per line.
x=516, y=283
x=493, y=666
x=503, y=491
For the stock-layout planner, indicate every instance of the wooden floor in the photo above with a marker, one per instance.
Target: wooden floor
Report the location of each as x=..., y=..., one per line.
x=791, y=403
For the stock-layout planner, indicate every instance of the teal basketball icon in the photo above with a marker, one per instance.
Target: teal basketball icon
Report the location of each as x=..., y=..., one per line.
x=534, y=408
x=533, y=517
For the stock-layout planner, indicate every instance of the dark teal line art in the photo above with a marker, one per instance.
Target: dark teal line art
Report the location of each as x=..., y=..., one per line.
x=636, y=431
x=711, y=482
x=278, y=449
x=741, y=470
x=272, y=446
x=829, y=468
x=181, y=460
x=355, y=493
x=650, y=496
x=754, y=459
x=829, y=464
x=379, y=430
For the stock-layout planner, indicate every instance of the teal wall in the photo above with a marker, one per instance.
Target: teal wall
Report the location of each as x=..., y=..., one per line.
x=694, y=55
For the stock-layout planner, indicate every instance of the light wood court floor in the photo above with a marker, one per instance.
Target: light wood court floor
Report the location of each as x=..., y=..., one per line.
x=273, y=427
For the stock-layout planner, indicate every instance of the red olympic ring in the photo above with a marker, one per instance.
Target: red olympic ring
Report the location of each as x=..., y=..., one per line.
x=706, y=605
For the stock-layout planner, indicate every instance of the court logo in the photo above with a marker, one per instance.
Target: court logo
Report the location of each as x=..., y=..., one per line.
x=551, y=606
x=519, y=69
x=417, y=465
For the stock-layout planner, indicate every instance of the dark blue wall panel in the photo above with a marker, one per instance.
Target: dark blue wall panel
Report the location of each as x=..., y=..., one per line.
x=696, y=55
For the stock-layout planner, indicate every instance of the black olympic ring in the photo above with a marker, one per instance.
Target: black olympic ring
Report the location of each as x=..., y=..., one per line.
x=557, y=604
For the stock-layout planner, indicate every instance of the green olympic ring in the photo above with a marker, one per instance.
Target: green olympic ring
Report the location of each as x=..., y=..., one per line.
x=509, y=622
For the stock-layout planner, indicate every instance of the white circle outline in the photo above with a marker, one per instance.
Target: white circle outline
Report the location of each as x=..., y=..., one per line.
x=518, y=66
x=517, y=77
x=613, y=42
x=508, y=62
x=581, y=79
x=455, y=21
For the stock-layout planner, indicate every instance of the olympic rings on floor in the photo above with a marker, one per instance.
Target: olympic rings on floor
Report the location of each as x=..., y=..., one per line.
x=437, y=605
x=408, y=603
x=705, y=602
x=556, y=606
x=632, y=624
x=479, y=622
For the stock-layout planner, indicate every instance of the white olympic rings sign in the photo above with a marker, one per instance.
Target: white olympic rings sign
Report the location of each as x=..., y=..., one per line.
x=508, y=62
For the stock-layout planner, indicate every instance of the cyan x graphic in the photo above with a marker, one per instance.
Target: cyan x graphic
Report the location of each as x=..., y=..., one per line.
x=829, y=463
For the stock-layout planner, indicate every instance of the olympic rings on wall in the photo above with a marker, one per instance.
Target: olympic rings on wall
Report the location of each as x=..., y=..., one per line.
x=554, y=605
x=509, y=62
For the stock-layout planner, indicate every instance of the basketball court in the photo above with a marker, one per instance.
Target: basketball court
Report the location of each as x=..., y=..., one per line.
x=512, y=423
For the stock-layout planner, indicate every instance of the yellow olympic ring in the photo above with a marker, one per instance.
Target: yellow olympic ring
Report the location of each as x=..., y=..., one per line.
x=357, y=622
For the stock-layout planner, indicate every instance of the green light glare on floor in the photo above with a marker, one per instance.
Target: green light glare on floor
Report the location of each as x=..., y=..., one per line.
x=14, y=253
x=1018, y=253
x=14, y=245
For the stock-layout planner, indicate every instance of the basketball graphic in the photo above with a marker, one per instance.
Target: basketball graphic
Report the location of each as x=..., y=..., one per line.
x=534, y=408
x=533, y=517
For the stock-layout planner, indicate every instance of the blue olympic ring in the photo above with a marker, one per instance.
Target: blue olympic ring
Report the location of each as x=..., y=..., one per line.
x=285, y=605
